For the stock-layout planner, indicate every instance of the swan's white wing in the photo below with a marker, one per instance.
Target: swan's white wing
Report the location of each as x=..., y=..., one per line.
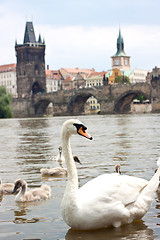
x=111, y=188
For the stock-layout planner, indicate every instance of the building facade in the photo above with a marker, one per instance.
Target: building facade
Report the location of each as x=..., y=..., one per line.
x=8, y=78
x=95, y=79
x=112, y=74
x=53, y=80
x=155, y=73
x=136, y=75
x=92, y=106
x=30, y=71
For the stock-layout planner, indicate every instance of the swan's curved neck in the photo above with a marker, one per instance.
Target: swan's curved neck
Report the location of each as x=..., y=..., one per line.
x=72, y=183
x=22, y=191
x=71, y=167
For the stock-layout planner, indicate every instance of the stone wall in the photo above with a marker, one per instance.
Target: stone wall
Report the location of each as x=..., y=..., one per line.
x=22, y=108
x=141, y=108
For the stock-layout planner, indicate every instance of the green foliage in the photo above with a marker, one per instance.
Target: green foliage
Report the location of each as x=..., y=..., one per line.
x=122, y=79
x=141, y=98
x=5, y=103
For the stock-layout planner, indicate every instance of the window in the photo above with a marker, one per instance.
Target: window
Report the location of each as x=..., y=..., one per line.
x=36, y=69
x=125, y=62
x=116, y=62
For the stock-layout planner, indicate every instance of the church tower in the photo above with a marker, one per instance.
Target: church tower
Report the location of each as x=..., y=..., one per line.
x=120, y=60
x=30, y=69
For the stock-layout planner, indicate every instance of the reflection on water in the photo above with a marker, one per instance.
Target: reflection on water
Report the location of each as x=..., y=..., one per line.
x=23, y=209
x=1, y=197
x=137, y=230
x=34, y=143
x=27, y=145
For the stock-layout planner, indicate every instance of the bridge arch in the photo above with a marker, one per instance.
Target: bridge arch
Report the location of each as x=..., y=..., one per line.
x=41, y=106
x=123, y=103
x=77, y=103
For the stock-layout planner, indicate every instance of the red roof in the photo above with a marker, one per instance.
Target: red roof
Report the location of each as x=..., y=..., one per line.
x=53, y=74
x=78, y=70
x=68, y=79
x=97, y=73
x=8, y=67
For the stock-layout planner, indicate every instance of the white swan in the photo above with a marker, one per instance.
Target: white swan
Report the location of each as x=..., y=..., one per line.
x=107, y=200
x=6, y=188
x=59, y=157
x=41, y=193
x=58, y=171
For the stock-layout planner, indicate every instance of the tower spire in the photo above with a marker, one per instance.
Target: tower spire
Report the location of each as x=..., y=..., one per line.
x=39, y=39
x=120, y=44
x=120, y=59
x=29, y=35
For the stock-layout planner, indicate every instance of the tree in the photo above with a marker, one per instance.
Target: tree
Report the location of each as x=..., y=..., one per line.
x=122, y=79
x=5, y=103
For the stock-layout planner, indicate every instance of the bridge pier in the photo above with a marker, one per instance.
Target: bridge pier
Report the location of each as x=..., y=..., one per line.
x=22, y=108
x=107, y=107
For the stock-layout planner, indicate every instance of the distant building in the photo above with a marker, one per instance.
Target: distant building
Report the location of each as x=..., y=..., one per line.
x=53, y=80
x=68, y=83
x=30, y=55
x=8, y=78
x=155, y=73
x=120, y=60
x=136, y=75
x=65, y=72
x=112, y=74
x=121, y=66
x=95, y=79
x=74, y=78
x=92, y=106
x=80, y=80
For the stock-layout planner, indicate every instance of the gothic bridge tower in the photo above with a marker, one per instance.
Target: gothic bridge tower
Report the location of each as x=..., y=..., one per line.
x=30, y=70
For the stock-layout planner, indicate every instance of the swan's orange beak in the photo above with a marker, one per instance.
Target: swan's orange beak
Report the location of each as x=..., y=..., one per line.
x=83, y=132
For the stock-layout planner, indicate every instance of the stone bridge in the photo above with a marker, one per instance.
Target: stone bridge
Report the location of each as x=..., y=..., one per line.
x=112, y=98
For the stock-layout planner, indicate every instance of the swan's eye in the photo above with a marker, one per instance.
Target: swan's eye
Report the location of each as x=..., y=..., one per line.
x=78, y=126
x=81, y=130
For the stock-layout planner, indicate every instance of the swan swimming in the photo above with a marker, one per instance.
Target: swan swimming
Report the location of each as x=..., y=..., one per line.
x=59, y=157
x=41, y=193
x=6, y=188
x=58, y=171
x=107, y=200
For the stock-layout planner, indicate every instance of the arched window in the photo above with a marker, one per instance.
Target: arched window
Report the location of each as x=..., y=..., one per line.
x=36, y=88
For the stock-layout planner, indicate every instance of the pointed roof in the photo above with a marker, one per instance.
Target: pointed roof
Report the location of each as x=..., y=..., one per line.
x=39, y=39
x=120, y=46
x=29, y=35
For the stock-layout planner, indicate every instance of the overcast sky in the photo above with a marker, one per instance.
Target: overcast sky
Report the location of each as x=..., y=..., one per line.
x=83, y=33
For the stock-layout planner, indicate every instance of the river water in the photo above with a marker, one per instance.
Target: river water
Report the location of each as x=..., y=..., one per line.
x=27, y=145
